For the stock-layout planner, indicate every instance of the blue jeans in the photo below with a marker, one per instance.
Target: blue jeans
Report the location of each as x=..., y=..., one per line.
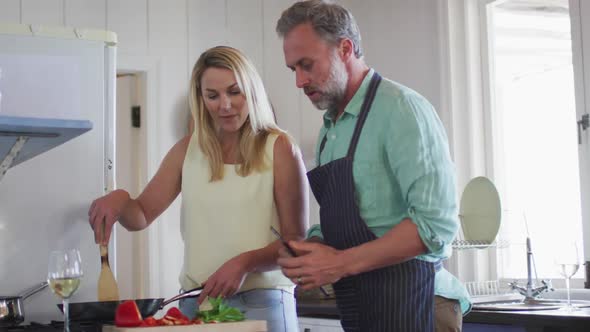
x=275, y=306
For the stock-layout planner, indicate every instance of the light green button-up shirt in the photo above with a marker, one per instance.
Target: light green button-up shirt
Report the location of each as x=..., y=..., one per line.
x=402, y=169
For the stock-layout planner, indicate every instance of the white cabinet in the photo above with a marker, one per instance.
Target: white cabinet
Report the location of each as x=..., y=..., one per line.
x=307, y=324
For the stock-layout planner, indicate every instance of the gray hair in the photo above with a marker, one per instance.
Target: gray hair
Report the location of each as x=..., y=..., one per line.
x=330, y=21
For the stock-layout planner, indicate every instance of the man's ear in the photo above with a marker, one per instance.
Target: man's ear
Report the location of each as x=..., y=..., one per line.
x=346, y=49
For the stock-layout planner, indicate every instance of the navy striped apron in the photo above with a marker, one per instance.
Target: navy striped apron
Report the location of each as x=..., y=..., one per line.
x=395, y=298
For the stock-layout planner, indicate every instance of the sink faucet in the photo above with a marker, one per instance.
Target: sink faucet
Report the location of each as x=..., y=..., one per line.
x=530, y=292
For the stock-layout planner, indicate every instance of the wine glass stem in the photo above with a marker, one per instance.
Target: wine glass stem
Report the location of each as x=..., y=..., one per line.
x=567, y=287
x=66, y=315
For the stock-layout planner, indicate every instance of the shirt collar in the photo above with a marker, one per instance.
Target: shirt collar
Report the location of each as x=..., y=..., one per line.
x=354, y=105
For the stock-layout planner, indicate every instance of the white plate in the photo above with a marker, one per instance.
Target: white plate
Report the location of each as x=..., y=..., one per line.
x=480, y=211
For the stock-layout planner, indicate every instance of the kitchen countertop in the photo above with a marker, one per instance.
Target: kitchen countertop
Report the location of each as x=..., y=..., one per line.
x=556, y=319
x=317, y=308
x=243, y=326
x=552, y=320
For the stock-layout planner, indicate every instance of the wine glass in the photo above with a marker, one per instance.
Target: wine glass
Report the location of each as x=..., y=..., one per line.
x=64, y=274
x=567, y=260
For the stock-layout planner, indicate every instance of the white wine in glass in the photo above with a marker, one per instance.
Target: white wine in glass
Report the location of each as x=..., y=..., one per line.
x=63, y=274
x=64, y=287
x=567, y=260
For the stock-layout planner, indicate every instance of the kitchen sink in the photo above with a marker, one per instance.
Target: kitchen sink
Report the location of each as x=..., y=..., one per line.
x=521, y=305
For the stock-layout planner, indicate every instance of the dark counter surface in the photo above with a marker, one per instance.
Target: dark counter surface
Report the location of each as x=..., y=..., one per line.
x=559, y=320
x=317, y=308
x=551, y=320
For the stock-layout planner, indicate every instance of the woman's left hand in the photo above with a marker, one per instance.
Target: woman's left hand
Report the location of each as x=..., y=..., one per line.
x=227, y=280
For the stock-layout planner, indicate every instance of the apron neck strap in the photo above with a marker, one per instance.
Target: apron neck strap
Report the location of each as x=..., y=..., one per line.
x=367, y=102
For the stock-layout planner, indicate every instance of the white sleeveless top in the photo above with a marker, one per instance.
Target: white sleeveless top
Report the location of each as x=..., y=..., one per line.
x=221, y=219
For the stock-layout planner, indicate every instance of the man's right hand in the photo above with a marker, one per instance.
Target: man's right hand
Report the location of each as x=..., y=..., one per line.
x=284, y=253
x=317, y=265
x=315, y=239
x=104, y=212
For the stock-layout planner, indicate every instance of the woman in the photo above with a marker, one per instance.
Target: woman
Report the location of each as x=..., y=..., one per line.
x=239, y=174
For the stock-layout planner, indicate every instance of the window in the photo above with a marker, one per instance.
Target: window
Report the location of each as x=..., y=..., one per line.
x=532, y=121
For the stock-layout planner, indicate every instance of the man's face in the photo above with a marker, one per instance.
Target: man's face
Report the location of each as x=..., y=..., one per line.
x=319, y=71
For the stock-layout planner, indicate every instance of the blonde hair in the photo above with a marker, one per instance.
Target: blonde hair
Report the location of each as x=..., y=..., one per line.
x=259, y=124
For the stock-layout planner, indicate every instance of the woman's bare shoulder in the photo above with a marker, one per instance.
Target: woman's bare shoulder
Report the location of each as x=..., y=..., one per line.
x=285, y=148
x=184, y=142
x=178, y=151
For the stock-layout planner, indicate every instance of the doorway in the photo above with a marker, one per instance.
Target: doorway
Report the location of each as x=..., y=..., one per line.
x=130, y=175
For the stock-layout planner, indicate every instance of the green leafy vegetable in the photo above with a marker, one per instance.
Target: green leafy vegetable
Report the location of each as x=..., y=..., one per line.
x=220, y=312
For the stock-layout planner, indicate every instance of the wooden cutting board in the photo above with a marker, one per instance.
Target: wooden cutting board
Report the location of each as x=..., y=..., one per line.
x=245, y=326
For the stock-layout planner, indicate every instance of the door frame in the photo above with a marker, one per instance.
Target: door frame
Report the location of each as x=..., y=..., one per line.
x=146, y=253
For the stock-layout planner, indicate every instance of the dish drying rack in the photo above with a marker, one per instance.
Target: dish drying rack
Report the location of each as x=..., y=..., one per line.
x=461, y=244
x=484, y=289
x=489, y=291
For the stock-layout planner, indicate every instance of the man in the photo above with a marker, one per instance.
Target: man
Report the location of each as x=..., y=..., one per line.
x=385, y=184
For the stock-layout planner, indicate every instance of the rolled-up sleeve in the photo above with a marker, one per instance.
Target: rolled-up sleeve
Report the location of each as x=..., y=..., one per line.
x=430, y=208
x=419, y=157
x=314, y=230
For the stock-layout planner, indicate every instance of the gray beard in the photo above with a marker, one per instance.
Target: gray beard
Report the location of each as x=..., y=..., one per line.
x=335, y=88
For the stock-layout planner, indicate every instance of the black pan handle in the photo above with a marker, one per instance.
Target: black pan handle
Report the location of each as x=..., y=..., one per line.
x=195, y=292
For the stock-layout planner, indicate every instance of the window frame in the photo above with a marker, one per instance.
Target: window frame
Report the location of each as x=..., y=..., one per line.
x=468, y=104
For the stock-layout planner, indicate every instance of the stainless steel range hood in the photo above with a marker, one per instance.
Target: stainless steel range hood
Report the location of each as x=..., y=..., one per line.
x=23, y=138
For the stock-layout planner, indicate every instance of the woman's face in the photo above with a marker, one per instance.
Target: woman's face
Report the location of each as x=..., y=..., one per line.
x=223, y=99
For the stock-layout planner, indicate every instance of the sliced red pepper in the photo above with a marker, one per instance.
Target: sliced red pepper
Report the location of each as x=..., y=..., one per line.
x=166, y=321
x=127, y=314
x=150, y=321
x=175, y=313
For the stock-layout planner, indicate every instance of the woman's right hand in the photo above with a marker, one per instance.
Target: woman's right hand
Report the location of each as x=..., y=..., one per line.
x=106, y=210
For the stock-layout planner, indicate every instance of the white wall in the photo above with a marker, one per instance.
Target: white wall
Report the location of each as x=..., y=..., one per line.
x=400, y=38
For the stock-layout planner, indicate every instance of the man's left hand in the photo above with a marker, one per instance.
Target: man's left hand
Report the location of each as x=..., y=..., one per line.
x=316, y=265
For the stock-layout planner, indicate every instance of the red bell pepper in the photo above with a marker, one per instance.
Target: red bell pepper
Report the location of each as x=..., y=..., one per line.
x=175, y=317
x=127, y=314
x=175, y=313
x=150, y=321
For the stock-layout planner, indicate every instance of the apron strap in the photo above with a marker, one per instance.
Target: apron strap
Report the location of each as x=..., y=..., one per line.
x=370, y=96
x=367, y=102
x=323, y=144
